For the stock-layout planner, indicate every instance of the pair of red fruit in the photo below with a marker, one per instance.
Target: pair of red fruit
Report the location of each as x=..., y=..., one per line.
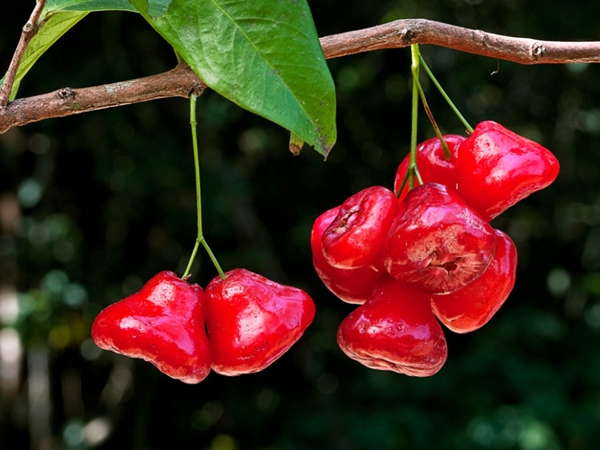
x=430, y=253
x=240, y=324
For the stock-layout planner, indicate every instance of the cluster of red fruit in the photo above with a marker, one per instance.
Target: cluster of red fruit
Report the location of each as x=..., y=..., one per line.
x=240, y=324
x=430, y=252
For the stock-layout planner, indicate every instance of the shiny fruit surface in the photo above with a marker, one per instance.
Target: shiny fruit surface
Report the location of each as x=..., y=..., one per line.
x=356, y=235
x=437, y=243
x=433, y=165
x=498, y=168
x=252, y=321
x=163, y=324
x=395, y=330
x=474, y=305
x=349, y=285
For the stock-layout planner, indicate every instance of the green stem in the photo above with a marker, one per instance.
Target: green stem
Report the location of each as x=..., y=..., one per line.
x=412, y=168
x=452, y=105
x=200, y=239
x=436, y=128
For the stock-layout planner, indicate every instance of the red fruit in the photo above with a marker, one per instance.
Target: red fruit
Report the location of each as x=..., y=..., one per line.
x=252, y=321
x=432, y=163
x=498, y=168
x=163, y=324
x=437, y=243
x=395, y=330
x=474, y=305
x=349, y=285
x=356, y=236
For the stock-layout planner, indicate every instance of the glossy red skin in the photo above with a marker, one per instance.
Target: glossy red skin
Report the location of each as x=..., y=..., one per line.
x=349, y=285
x=356, y=236
x=252, y=321
x=498, y=168
x=395, y=330
x=437, y=243
x=474, y=305
x=163, y=324
x=432, y=163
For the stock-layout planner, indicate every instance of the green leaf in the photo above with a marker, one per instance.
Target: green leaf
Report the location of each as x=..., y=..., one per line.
x=264, y=55
x=55, y=26
x=158, y=8
x=87, y=6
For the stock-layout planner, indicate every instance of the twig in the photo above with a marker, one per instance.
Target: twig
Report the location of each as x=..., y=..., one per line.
x=180, y=81
x=29, y=30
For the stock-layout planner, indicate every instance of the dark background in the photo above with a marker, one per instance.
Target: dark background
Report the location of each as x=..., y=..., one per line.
x=106, y=200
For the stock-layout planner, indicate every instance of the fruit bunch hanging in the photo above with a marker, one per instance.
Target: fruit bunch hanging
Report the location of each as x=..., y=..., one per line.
x=424, y=254
x=241, y=323
x=411, y=258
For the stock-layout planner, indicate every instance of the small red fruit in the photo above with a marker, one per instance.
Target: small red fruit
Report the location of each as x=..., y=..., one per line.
x=433, y=165
x=163, y=324
x=349, y=285
x=356, y=236
x=498, y=168
x=474, y=305
x=437, y=243
x=252, y=321
x=395, y=330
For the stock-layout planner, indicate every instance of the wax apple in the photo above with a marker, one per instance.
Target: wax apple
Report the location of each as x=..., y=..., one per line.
x=163, y=324
x=437, y=243
x=498, y=168
x=395, y=330
x=349, y=285
x=474, y=305
x=433, y=165
x=252, y=321
x=356, y=235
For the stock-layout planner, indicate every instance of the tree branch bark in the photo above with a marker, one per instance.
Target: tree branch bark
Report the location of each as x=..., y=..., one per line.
x=182, y=81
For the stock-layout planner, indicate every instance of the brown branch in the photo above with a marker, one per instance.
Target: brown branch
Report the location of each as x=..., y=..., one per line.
x=181, y=81
x=29, y=30
x=405, y=32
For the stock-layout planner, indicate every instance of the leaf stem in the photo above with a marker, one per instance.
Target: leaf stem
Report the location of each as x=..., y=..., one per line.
x=446, y=97
x=200, y=238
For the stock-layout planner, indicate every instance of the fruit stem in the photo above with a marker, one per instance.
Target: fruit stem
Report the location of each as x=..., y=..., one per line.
x=200, y=239
x=412, y=167
x=446, y=97
x=434, y=124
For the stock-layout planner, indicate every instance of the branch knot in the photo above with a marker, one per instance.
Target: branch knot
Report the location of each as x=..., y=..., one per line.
x=537, y=51
x=407, y=35
x=66, y=93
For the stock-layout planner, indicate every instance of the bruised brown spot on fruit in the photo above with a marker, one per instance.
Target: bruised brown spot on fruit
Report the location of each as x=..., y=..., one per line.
x=443, y=263
x=347, y=219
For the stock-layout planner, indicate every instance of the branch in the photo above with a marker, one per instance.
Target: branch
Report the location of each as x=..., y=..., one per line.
x=405, y=32
x=181, y=81
x=29, y=30
x=178, y=82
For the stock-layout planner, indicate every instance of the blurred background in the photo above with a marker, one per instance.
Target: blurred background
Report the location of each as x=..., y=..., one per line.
x=92, y=206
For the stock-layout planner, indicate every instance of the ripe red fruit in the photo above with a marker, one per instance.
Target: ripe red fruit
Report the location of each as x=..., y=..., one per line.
x=349, y=285
x=433, y=165
x=437, y=243
x=474, y=305
x=252, y=321
x=163, y=324
x=498, y=168
x=356, y=235
x=395, y=330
